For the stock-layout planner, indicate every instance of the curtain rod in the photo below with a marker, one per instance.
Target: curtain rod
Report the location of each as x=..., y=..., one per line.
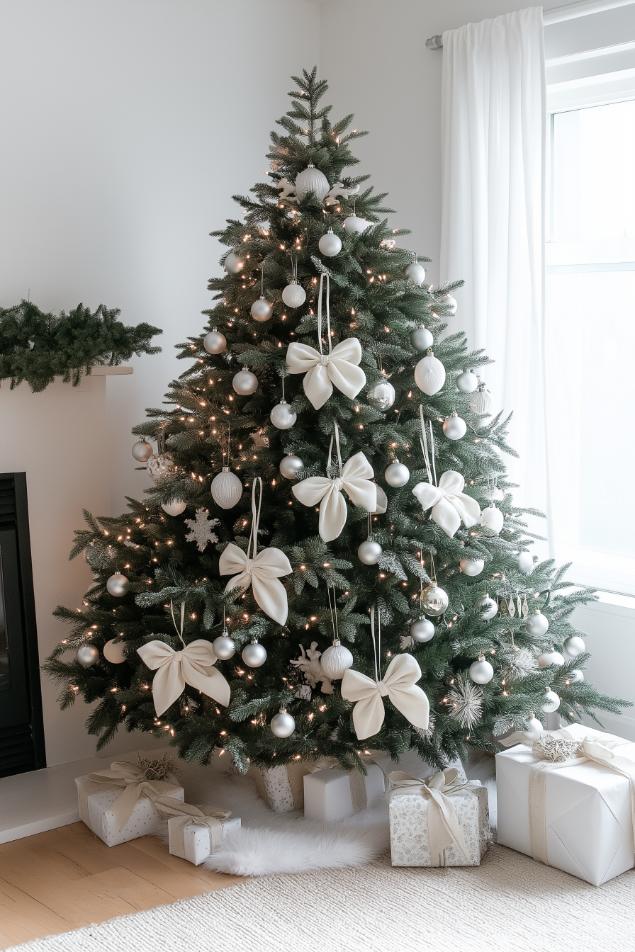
x=570, y=11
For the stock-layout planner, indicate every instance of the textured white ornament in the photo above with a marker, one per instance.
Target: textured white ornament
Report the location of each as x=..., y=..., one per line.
x=175, y=507
x=336, y=660
x=481, y=400
x=492, y=519
x=312, y=181
x=551, y=702
x=434, y=600
x=254, y=654
x=549, y=658
x=117, y=585
x=481, y=671
x=261, y=310
x=450, y=505
x=330, y=244
x=233, y=263
x=214, y=342
x=489, y=608
x=525, y=563
x=454, y=426
x=575, y=677
x=245, y=383
x=87, y=655
x=283, y=416
x=294, y=295
x=574, y=646
x=449, y=303
x=467, y=382
x=201, y=529
x=537, y=625
x=430, y=375
x=422, y=630
x=160, y=466
x=282, y=724
x=381, y=395
x=472, y=567
x=369, y=552
x=115, y=651
x=416, y=273
x=142, y=451
x=421, y=338
x=355, y=225
x=291, y=466
x=224, y=646
x=226, y=489
x=397, y=474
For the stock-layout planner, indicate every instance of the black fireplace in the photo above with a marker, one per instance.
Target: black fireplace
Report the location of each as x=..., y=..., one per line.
x=21, y=728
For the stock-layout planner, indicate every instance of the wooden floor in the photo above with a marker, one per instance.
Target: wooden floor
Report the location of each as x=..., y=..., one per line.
x=68, y=878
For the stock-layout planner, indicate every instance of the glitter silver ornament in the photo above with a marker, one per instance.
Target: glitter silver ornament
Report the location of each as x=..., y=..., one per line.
x=574, y=646
x=422, y=630
x=224, y=646
x=226, y=489
x=282, y=724
x=416, y=273
x=549, y=658
x=537, y=625
x=330, y=244
x=291, y=466
x=115, y=651
x=261, y=310
x=214, y=342
x=233, y=263
x=550, y=702
x=283, y=416
x=481, y=671
x=492, y=519
x=175, y=507
x=142, y=451
x=355, y=225
x=87, y=655
x=434, y=600
x=254, y=654
x=294, y=295
x=421, y=338
x=525, y=562
x=489, y=608
x=430, y=375
x=472, y=567
x=245, y=383
x=117, y=585
x=369, y=552
x=160, y=466
x=336, y=660
x=454, y=426
x=397, y=474
x=311, y=181
x=467, y=382
x=381, y=395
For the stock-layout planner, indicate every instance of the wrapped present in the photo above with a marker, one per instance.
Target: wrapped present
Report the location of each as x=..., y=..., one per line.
x=441, y=821
x=282, y=787
x=332, y=793
x=194, y=833
x=120, y=804
x=567, y=801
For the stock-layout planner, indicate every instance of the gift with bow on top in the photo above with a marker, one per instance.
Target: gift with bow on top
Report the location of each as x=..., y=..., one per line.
x=195, y=832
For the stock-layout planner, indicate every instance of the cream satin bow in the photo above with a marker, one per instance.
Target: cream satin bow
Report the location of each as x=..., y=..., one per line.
x=260, y=570
x=355, y=479
x=193, y=665
x=444, y=828
x=135, y=785
x=398, y=685
x=322, y=371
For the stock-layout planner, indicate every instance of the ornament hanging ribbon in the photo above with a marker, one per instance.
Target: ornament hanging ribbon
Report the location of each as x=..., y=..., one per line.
x=134, y=784
x=444, y=829
x=259, y=570
x=355, y=479
x=193, y=665
x=398, y=685
x=186, y=814
x=322, y=371
x=450, y=505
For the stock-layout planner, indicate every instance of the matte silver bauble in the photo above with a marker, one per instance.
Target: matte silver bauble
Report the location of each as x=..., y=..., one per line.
x=472, y=567
x=214, y=342
x=489, y=608
x=575, y=677
x=282, y=724
x=549, y=658
x=142, y=451
x=291, y=466
x=330, y=244
x=449, y=303
x=294, y=295
x=467, y=382
x=283, y=416
x=117, y=585
x=224, y=646
x=416, y=272
x=397, y=474
x=254, y=654
x=234, y=264
x=422, y=630
x=550, y=702
x=87, y=655
x=574, y=646
x=492, y=519
x=537, y=625
x=311, y=181
x=481, y=671
x=336, y=660
x=115, y=651
x=429, y=375
x=434, y=600
x=245, y=383
x=369, y=552
x=454, y=426
x=421, y=338
x=355, y=225
x=525, y=563
x=175, y=507
x=226, y=489
x=261, y=310
x=381, y=395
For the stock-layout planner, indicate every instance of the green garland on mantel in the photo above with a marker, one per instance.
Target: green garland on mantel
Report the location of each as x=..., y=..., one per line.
x=36, y=347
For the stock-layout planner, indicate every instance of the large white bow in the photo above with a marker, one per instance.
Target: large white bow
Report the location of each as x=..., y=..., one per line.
x=355, y=480
x=398, y=684
x=450, y=505
x=260, y=570
x=322, y=371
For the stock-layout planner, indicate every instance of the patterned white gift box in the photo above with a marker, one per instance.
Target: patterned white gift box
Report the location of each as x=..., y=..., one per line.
x=96, y=801
x=282, y=787
x=195, y=839
x=332, y=794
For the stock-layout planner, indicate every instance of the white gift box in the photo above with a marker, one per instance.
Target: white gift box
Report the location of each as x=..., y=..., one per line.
x=281, y=787
x=195, y=839
x=575, y=816
x=411, y=814
x=332, y=794
x=95, y=809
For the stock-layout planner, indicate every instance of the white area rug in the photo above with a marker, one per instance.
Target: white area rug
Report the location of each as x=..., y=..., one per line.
x=509, y=904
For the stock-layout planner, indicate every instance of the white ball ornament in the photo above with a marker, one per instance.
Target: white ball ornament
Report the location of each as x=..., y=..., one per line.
x=142, y=451
x=369, y=552
x=550, y=702
x=115, y=651
x=283, y=416
x=254, y=654
x=336, y=660
x=434, y=600
x=492, y=519
x=330, y=244
x=312, y=181
x=449, y=303
x=481, y=671
x=224, y=646
x=282, y=724
x=397, y=474
x=381, y=395
x=117, y=585
x=294, y=295
x=549, y=658
x=355, y=225
x=537, y=625
x=454, y=426
x=87, y=655
x=175, y=507
x=421, y=338
x=489, y=608
x=261, y=310
x=467, y=382
x=416, y=273
x=422, y=630
x=574, y=646
x=472, y=567
x=525, y=563
x=575, y=677
x=226, y=489
x=214, y=342
x=430, y=375
x=233, y=264
x=245, y=383
x=481, y=401
x=291, y=466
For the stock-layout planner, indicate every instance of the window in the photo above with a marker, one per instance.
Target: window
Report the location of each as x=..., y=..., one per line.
x=590, y=339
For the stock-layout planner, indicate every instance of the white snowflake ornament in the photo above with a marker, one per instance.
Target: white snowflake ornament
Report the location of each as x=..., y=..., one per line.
x=201, y=527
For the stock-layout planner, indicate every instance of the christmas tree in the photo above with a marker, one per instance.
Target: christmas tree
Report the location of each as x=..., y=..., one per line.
x=329, y=558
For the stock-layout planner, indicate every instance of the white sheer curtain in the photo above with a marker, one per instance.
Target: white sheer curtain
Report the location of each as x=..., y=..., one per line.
x=493, y=217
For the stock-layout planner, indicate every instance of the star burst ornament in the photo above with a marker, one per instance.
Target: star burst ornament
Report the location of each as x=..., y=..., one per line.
x=201, y=529
x=466, y=702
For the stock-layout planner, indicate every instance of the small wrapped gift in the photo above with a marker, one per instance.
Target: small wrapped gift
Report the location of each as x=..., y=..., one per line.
x=282, y=787
x=332, y=793
x=197, y=832
x=120, y=804
x=441, y=821
x=566, y=801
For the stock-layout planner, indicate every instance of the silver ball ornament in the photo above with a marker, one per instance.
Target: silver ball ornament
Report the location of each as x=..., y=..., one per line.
x=224, y=646
x=226, y=489
x=467, y=382
x=115, y=651
x=245, y=383
x=454, y=427
x=283, y=416
x=294, y=295
x=117, y=585
x=416, y=273
x=574, y=646
x=472, y=567
x=282, y=724
x=355, y=225
x=87, y=655
x=142, y=451
x=175, y=507
x=525, y=563
x=214, y=342
x=397, y=474
x=336, y=660
x=492, y=519
x=422, y=630
x=330, y=244
x=549, y=658
x=369, y=552
x=550, y=702
x=449, y=302
x=489, y=608
x=430, y=375
x=261, y=310
x=311, y=181
x=434, y=600
x=537, y=625
x=381, y=395
x=233, y=263
x=481, y=671
x=254, y=654
x=421, y=338
x=291, y=466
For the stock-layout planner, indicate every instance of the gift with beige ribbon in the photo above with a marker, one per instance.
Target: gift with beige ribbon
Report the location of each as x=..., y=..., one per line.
x=120, y=803
x=282, y=786
x=439, y=821
x=569, y=801
x=195, y=832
